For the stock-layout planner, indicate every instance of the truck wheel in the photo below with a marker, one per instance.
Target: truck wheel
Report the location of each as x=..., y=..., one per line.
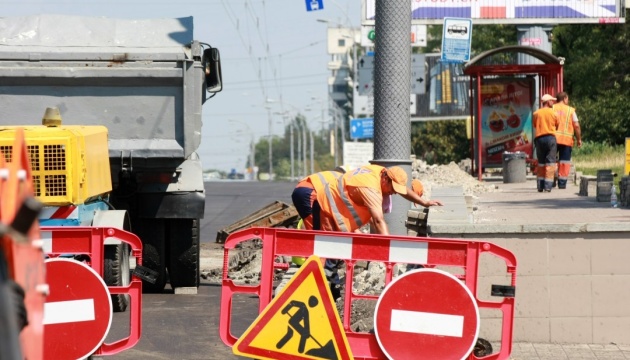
x=183, y=257
x=117, y=273
x=151, y=232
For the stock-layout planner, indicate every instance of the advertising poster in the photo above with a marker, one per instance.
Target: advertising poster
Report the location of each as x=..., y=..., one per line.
x=512, y=11
x=506, y=118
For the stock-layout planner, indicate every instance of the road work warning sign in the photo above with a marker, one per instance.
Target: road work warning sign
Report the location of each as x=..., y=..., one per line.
x=301, y=322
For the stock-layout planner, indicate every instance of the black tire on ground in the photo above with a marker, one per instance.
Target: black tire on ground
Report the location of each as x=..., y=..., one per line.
x=116, y=273
x=152, y=234
x=183, y=252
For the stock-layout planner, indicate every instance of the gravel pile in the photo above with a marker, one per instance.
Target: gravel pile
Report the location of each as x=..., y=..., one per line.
x=448, y=175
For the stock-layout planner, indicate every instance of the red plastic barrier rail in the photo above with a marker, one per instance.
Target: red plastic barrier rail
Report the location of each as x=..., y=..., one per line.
x=352, y=248
x=85, y=240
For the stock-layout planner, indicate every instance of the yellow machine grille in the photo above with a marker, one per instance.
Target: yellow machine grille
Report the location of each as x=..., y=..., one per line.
x=54, y=161
x=69, y=164
x=54, y=170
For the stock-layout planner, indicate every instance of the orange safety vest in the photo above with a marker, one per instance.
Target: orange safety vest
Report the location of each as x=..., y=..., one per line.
x=564, y=134
x=332, y=195
x=545, y=122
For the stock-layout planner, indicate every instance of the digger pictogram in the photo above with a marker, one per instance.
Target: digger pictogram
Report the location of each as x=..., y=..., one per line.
x=299, y=322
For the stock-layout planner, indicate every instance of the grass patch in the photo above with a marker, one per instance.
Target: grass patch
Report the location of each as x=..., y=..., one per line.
x=593, y=156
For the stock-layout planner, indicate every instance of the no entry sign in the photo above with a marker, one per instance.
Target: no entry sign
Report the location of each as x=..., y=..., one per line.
x=77, y=312
x=426, y=314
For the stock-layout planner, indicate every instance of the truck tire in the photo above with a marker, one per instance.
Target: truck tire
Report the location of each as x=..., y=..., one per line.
x=183, y=255
x=152, y=233
x=116, y=272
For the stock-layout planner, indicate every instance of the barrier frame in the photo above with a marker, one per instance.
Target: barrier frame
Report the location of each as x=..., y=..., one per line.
x=89, y=241
x=370, y=247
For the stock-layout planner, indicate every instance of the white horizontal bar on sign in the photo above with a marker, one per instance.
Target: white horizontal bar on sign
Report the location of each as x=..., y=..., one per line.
x=62, y=312
x=46, y=241
x=418, y=322
x=336, y=247
x=409, y=252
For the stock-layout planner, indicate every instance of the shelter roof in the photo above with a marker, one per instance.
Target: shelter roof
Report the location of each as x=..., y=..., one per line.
x=508, y=55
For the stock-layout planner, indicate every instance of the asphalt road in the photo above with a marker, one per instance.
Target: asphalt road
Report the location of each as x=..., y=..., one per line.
x=187, y=326
x=229, y=201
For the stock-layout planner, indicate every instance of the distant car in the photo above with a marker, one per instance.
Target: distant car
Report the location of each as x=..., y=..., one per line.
x=236, y=176
x=457, y=29
x=212, y=175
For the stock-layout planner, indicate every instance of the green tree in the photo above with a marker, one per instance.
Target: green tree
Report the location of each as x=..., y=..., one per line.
x=597, y=77
x=448, y=139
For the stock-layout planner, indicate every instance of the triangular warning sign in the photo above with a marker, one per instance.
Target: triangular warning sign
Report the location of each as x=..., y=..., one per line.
x=299, y=323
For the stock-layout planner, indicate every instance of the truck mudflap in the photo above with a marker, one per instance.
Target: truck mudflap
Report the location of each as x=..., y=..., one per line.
x=185, y=205
x=276, y=214
x=87, y=243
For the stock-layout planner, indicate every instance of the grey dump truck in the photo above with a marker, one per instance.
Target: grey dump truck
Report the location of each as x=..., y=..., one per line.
x=146, y=81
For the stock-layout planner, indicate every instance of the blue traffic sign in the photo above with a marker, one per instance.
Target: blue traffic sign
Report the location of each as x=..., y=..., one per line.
x=314, y=5
x=362, y=128
x=456, y=39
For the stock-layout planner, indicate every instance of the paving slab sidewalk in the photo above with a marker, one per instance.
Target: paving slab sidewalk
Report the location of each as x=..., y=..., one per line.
x=520, y=203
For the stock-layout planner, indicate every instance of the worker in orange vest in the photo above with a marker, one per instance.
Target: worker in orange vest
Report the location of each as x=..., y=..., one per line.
x=346, y=200
x=567, y=129
x=545, y=126
x=334, y=201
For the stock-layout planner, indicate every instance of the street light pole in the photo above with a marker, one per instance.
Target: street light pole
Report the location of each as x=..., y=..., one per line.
x=270, y=145
x=299, y=149
x=304, y=130
x=291, y=136
x=252, y=155
x=336, y=141
x=312, y=152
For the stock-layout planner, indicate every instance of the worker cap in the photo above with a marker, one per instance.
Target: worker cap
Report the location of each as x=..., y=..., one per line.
x=399, y=179
x=547, y=97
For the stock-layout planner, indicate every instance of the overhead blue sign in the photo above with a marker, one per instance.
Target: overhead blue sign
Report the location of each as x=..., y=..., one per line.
x=314, y=5
x=362, y=128
x=456, y=39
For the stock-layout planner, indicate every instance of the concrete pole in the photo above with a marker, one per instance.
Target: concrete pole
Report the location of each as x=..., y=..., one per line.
x=392, y=72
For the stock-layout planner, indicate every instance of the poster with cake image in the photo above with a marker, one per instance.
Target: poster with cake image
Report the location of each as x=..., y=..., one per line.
x=506, y=118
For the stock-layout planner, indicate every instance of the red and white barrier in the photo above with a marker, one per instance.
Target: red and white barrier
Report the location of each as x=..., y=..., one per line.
x=354, y=247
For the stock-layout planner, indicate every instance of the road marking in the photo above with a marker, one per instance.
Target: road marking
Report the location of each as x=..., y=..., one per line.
x=62, y=312
x=419, y=322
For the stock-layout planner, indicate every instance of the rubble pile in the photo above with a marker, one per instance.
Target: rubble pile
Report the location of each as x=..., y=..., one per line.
x=449, y=175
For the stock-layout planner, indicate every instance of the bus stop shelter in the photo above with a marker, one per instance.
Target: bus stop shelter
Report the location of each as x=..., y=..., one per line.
x=505, y=84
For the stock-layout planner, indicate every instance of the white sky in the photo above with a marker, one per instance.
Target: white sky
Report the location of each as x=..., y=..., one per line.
x=277, y=39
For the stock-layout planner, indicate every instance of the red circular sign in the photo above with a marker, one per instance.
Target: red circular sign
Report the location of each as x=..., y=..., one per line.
x=77, y=312
x=426, y=314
